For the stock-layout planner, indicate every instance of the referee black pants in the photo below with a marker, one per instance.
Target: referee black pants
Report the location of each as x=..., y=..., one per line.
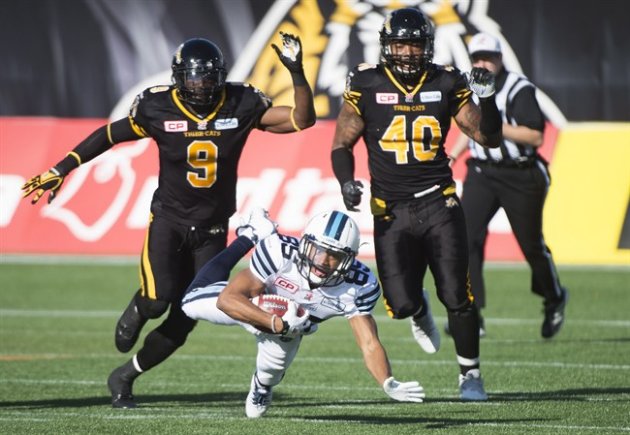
x=521, y=191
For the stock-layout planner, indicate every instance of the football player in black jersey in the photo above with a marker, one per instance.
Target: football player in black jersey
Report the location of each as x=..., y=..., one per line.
x=402, y=108
x=200, y=125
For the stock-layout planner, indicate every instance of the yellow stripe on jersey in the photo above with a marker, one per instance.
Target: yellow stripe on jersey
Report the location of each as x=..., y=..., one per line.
x=109, y=134
x=402, y=88
x=464, y=96
x=136, y=128
x=190, y=115
x=449, y=190
x=76, y=156
x=147, y=281
x=388, y=309
x=352, y=98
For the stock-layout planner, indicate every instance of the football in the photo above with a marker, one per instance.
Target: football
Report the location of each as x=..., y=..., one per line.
x=274, y=304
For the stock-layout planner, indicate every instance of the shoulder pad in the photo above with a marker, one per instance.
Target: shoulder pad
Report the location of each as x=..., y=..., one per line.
x=364, y=66
x=156, y=89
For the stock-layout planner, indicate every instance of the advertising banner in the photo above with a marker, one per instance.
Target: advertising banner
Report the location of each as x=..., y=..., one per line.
x=103, y=206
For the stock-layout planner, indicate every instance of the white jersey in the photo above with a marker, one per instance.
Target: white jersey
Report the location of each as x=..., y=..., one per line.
x=275, y=263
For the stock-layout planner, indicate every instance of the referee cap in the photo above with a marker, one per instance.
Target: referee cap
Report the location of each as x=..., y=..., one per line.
x=483, y=42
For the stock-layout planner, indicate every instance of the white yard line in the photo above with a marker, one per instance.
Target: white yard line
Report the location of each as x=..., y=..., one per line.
x=330, y=360
x=19, y=312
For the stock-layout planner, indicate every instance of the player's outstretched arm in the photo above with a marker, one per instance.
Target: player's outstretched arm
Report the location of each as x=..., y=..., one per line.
x=284, y=119
x=376, y=361
x=95, y=144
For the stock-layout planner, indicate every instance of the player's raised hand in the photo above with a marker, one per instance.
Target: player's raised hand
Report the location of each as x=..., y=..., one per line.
x=49, y=180
x=291, y=53
x=481, y=82
x=403, y=391
x=351, y=192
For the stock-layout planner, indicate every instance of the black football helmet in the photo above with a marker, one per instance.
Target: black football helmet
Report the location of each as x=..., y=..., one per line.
x=199, y=72
x=412, y=26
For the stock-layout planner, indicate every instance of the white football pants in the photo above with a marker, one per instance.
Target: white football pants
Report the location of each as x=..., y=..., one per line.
x=275, y=353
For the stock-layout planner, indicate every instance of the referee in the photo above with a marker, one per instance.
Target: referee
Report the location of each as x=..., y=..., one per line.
x=515, y=177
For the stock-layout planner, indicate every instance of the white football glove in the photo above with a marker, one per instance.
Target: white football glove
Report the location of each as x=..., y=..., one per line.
x=403, y=391
x=295, y=325
x=481, y=82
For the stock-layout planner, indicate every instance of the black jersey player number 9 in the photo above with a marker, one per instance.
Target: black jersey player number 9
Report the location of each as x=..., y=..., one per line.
x=202, y=154
x=425, y=140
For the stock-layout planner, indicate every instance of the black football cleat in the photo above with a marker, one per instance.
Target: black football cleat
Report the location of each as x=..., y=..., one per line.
x=120, y=389
x=554, y=316
x=128, y=328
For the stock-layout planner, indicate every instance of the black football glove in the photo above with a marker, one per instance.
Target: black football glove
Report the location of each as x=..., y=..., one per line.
x=291, y=53
x=351, y=191
x=481, y=82
x=49, y=180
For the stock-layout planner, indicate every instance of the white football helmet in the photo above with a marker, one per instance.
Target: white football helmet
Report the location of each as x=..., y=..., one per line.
x=328, y=247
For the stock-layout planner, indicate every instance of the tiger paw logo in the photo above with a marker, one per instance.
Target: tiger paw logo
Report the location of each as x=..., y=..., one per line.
x=451, y=202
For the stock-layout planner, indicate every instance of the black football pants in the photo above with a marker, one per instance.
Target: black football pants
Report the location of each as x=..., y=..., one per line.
x=429, y=231
x=521, y=192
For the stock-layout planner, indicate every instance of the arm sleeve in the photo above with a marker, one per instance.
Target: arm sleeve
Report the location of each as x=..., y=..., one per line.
x=343, y=165
x=101, y=140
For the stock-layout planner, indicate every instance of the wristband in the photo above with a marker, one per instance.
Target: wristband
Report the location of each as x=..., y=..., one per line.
x=273, y=323
x=285, y=327
x=298, y=78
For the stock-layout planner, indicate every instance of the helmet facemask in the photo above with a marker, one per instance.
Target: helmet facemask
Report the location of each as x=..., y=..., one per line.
x=323, y=264
x=199, y=86
x=408, y=66
x=199, y=72
x=414, y=29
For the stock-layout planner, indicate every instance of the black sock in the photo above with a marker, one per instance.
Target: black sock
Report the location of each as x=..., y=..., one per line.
x=464, y=327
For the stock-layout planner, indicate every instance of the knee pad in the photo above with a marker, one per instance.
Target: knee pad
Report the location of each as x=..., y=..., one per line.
x=150, y=308
x=404, y=311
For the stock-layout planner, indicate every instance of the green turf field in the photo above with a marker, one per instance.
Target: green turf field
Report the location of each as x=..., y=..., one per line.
x=56, y=335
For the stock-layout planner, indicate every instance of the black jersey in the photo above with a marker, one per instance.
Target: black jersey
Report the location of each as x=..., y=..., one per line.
x=405, y=130
x=198, y=156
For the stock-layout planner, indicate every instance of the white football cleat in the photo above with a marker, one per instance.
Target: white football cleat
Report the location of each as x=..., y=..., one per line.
x=256, y=225
x=471, y=387
x=258, y=399
x=425, y=330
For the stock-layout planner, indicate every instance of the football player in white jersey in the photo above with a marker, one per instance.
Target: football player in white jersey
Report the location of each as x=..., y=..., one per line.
x=318, y=273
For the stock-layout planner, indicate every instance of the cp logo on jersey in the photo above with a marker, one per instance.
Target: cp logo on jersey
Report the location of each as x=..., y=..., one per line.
x=175, y=126
x=386, y=98
x=287, y=285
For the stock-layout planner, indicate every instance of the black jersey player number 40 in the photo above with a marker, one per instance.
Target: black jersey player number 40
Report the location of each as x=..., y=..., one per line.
x=425, y=140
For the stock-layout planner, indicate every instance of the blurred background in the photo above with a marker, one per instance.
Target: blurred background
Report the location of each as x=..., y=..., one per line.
x=70, y=65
